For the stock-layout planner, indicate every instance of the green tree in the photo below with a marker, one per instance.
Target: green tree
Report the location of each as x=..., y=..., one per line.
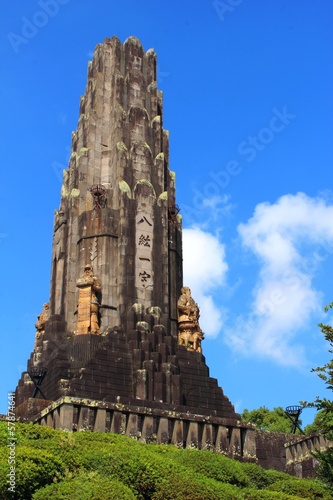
x=274, y=420
x=324, y=419
x=326, y=374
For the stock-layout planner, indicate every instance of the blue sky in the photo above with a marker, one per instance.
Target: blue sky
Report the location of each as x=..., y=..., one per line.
x=248, y=103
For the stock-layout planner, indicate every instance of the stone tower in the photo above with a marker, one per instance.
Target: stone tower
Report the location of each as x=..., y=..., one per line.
x=118, y=194
x=111, y=352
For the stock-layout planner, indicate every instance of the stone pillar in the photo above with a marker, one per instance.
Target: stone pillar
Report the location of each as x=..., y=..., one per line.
x=235, y=441
x=100, y=420
x=118, y=424
x=249, y=443
x=147, y=433
x=66, y=417
x=192, y=439
x=49, y=420
x=141, y=384
x=177, y=437
x=222, y=440
x=83, y=421
x=207, y=437
x=163, y=431
x=132, y=428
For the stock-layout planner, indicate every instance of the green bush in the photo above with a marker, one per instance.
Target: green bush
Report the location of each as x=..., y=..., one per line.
x=118, y=462
x=213, y=466
x=87, y=465
x=33, y=469
x=325, y=467
x=4, y=470
x=193, y=487
x=85, y=486
x=256, y=476
x=306, y=488
x=275, y=475
x=253, y=494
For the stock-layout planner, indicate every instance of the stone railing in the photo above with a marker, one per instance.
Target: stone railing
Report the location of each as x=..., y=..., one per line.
x=299, y=459
x=184, y=430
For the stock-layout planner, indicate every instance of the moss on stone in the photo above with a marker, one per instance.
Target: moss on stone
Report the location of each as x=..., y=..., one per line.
x=138, y=308
x=142, y=325
x=152, y=87
x=145, y=182
x=75, y=193
x=121, y=146
x=83, y=152
x=163, y=196
x=124, y=187
x=141, y=144
x=155, y=311
x=160, y=156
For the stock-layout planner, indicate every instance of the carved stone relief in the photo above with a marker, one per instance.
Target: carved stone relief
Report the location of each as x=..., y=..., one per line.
x=40, y=323
x=88, y=320
x=144, y=250
x=189, y=332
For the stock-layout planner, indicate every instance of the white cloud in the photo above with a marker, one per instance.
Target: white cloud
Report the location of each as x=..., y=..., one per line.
x=290, y=238
x=205, y=269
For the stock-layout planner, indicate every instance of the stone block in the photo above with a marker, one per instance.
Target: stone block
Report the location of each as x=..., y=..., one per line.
x=83, y=420
x=132, y=427
x=118, y=423
x=66, y=417
x=222, y=440
x=140, y=383
x=147, y=432
x=163, y=436
x=207, y=439
x=100, y=420
x=192, y=438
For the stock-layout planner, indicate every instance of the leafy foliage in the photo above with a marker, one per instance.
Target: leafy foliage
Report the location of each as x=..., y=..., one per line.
x=274, y=420
x=85, y=486
x=324, y=419
x=326, y=374
x=325, y=469
x=100, y=466
x=291, y=486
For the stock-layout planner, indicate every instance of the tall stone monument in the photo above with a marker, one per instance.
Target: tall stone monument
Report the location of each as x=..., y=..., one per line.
x=119, y=347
